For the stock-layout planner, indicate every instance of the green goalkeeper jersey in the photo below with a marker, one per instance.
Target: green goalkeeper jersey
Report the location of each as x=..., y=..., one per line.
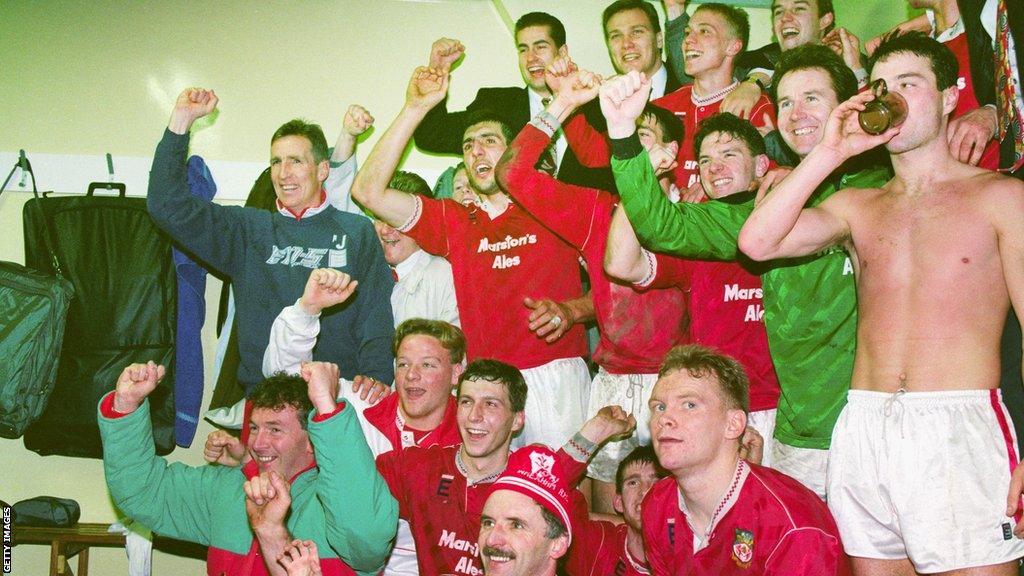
x=810, y=303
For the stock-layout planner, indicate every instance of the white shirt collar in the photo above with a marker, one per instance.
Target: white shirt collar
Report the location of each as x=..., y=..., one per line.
x=415, y=261
x=659, y=82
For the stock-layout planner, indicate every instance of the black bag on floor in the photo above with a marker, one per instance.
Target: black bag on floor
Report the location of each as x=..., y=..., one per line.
x=124, y=311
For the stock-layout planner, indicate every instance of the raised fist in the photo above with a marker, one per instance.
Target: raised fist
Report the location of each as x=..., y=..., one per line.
x=223, y=448
x=135, y=383
x=357, y=120
x=622, y=101
x=322, y=380
x=192, y=103
x=427, y=87
x=267, y=500
x=444, y=53
x=326, y=287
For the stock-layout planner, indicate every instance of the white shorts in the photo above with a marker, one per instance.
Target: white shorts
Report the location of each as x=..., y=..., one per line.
x=764, y=422
x=924, y=476
x=806, y=465
x=556, y=402
x=631, y=392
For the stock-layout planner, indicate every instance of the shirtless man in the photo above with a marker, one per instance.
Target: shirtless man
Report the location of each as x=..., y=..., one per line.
x=923, y=452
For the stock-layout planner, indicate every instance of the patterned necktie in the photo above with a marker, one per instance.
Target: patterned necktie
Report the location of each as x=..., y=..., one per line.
x=548, y=163
x=1006, y=102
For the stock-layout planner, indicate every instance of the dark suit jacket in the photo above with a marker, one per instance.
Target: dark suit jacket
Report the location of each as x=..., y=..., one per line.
x=979, y=47
x=441, y=132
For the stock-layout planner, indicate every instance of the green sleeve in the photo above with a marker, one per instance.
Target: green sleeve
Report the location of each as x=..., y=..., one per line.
x=706, y=230
x=361, y=515
x=173, y=500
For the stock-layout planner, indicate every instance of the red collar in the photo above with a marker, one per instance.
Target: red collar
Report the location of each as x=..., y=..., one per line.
x=298, y=215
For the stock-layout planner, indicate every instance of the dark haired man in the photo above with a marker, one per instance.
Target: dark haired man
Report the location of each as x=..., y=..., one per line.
x=939, y=260
x=635, y=328
x=540, y=38
x=518, y=294
x=726, y=311
x=635, y=40
x=269, y=255
x=716, y=513
x=809, y=304
x=441, y=490
x=336, y=499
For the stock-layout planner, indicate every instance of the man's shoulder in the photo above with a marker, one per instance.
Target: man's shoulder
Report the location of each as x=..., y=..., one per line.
x=499, y=93
x=783, y=500
x=675, y=101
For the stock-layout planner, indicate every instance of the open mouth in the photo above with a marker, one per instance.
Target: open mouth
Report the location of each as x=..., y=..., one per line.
x=692, y=54
x=804, y=131
x=414, y=393
x=483, y=169
x=498, y=556
x=721, y=182
x=535, y=70
x=476, y=433
x=632, y=56
x=790, y=32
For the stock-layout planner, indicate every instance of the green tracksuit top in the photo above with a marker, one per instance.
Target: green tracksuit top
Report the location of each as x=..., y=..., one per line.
x=810, y=303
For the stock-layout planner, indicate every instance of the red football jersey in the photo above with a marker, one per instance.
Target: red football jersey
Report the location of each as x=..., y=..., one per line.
x=637, y=328
x=692, y=111
x=496, y=264
x=599, y=549
x=769, y=525
x=726, y=313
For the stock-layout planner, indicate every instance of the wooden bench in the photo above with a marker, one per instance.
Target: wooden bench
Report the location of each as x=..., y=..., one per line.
x=65, y=543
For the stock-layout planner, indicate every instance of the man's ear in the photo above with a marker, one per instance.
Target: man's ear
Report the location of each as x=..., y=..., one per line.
x=736, y=423
x=659, y=41
x=457, y=370
x=761, y=165
x=559, y=546
x=322, y=170
x=518, y=420
x=617, y=504
x=950, y=97
x=826, y=20
x=735, y=47
x=563, y=50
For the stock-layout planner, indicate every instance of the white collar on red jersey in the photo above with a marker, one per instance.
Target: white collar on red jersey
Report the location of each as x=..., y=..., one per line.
x=729, y=498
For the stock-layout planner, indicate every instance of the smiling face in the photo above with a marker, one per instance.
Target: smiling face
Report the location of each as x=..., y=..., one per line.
x=632, y=42
x=462, y=192
x=709, y=43
x=424, y=377
x=485, y=416
x=482, y=147
x=911, y=76
x=295, y=173
x=636, y=482
x=537, y=50
x=513, y=539
x=277, y=441
x=727, y=166
x=805, y=100
x=397, y=246
x=691, y=425
x=796, y=22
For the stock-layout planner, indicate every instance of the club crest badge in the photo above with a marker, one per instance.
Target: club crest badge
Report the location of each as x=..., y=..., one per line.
x=743, y=548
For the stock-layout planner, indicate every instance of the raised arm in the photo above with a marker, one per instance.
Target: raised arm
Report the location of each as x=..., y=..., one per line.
x=294, y=332
x=426, y=88
x=440, y=131
x=212, y=232
x=624, y=257
x=361, y=515
x=779, y=225
x=338, y=184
